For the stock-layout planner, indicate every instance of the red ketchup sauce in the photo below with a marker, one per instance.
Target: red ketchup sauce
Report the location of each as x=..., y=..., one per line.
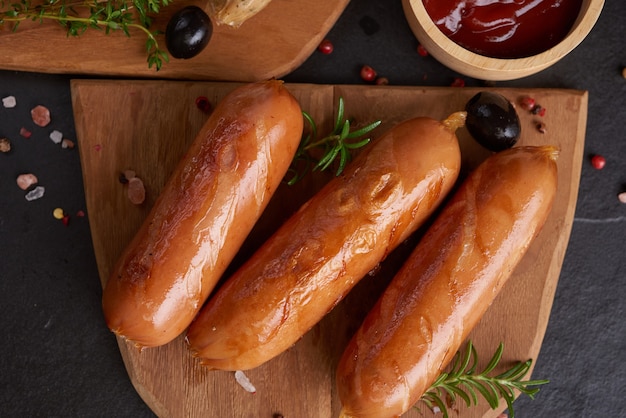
x=504, y=28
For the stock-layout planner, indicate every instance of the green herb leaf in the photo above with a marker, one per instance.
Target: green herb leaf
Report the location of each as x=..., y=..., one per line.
x=464, y=382
x=105, y=15
x=334, y=145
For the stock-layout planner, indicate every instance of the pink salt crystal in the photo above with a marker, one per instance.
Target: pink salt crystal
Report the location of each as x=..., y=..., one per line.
x=24, y=181
x=129, y=174
x=5, y=145
x=40, y=115
x=622, y=197
x=136, y=191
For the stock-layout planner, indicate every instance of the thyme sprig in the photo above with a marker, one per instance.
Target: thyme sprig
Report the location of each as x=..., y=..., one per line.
x=337, y=144
x=463, y=381
x=107, y=15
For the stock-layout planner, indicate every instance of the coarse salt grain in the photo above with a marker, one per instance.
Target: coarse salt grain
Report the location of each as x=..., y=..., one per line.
x=56, y=136
x=24, y=181
x=36, y=193
x=243, y=380
x=9, y=102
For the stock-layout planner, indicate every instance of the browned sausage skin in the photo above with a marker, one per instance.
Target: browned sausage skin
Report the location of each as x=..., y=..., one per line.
x=324, y=249
x=204, y=213
x=447, y=283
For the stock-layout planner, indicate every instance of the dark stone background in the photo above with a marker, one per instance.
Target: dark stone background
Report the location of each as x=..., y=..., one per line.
x=59, y=360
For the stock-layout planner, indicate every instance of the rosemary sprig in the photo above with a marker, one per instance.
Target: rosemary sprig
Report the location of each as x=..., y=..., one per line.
x=337, y=144
x=108, y=15
x=464, y=382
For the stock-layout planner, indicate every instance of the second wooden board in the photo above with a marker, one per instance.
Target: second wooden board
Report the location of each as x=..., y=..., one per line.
x=271, y=44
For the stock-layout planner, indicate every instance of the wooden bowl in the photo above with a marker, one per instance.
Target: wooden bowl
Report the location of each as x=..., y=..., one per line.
x=478, y=66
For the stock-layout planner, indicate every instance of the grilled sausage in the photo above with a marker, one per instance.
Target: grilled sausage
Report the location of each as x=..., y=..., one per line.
x=447, y=283
x=204, y=213
x=326, y=247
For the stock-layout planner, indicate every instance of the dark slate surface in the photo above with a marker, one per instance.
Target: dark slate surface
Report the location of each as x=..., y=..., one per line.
x=59, y=360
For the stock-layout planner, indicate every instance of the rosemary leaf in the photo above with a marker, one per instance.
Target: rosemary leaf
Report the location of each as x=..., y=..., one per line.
x=332, y=146
x=103, y=15
x=464, y=382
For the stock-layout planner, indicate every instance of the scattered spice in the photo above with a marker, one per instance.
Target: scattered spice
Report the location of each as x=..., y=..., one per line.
x=40, y=115
x=9, y=102
x=243, y=380
x=541, y=127
x=326, y=47
x=25, y=133
x=5, y=145
x=136, y=191
x=122, y=178
x=422, y=51
x=66, y=220
x=56, y=136
x=67, y=143
x=527, y=103
x=368, y=73
x=538, y=110
x=382, y=81
x=458, y=82
x=80, y=214
x=622, y=197
x=58, y=213
x=598, y=162
x=35, y=194
x=624, y=72
x=97, y=147
x=24, y=181
x=203, y=104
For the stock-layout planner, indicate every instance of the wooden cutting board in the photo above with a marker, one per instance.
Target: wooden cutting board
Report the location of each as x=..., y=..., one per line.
x=271, y=44
x=146, y=126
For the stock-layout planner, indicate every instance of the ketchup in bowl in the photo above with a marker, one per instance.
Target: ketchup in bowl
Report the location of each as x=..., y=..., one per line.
x=504, y=28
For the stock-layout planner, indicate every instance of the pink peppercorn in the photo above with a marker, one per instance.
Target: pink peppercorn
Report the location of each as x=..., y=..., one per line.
x=25, y=133
x=368, y=73
x=527, y=103
x=326, y=47
x=203, y=104
x=422, y=51
x=598, y=162
x=458, y=82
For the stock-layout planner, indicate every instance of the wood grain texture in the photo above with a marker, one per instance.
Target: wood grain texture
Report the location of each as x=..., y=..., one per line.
x=270, y=44
x=160, y=120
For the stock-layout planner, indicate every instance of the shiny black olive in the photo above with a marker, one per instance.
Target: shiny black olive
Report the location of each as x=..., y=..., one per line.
x=492, y=121
x=188, y=32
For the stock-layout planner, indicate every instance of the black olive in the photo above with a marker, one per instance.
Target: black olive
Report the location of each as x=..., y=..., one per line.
x=492, y=121
x=188, y=32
